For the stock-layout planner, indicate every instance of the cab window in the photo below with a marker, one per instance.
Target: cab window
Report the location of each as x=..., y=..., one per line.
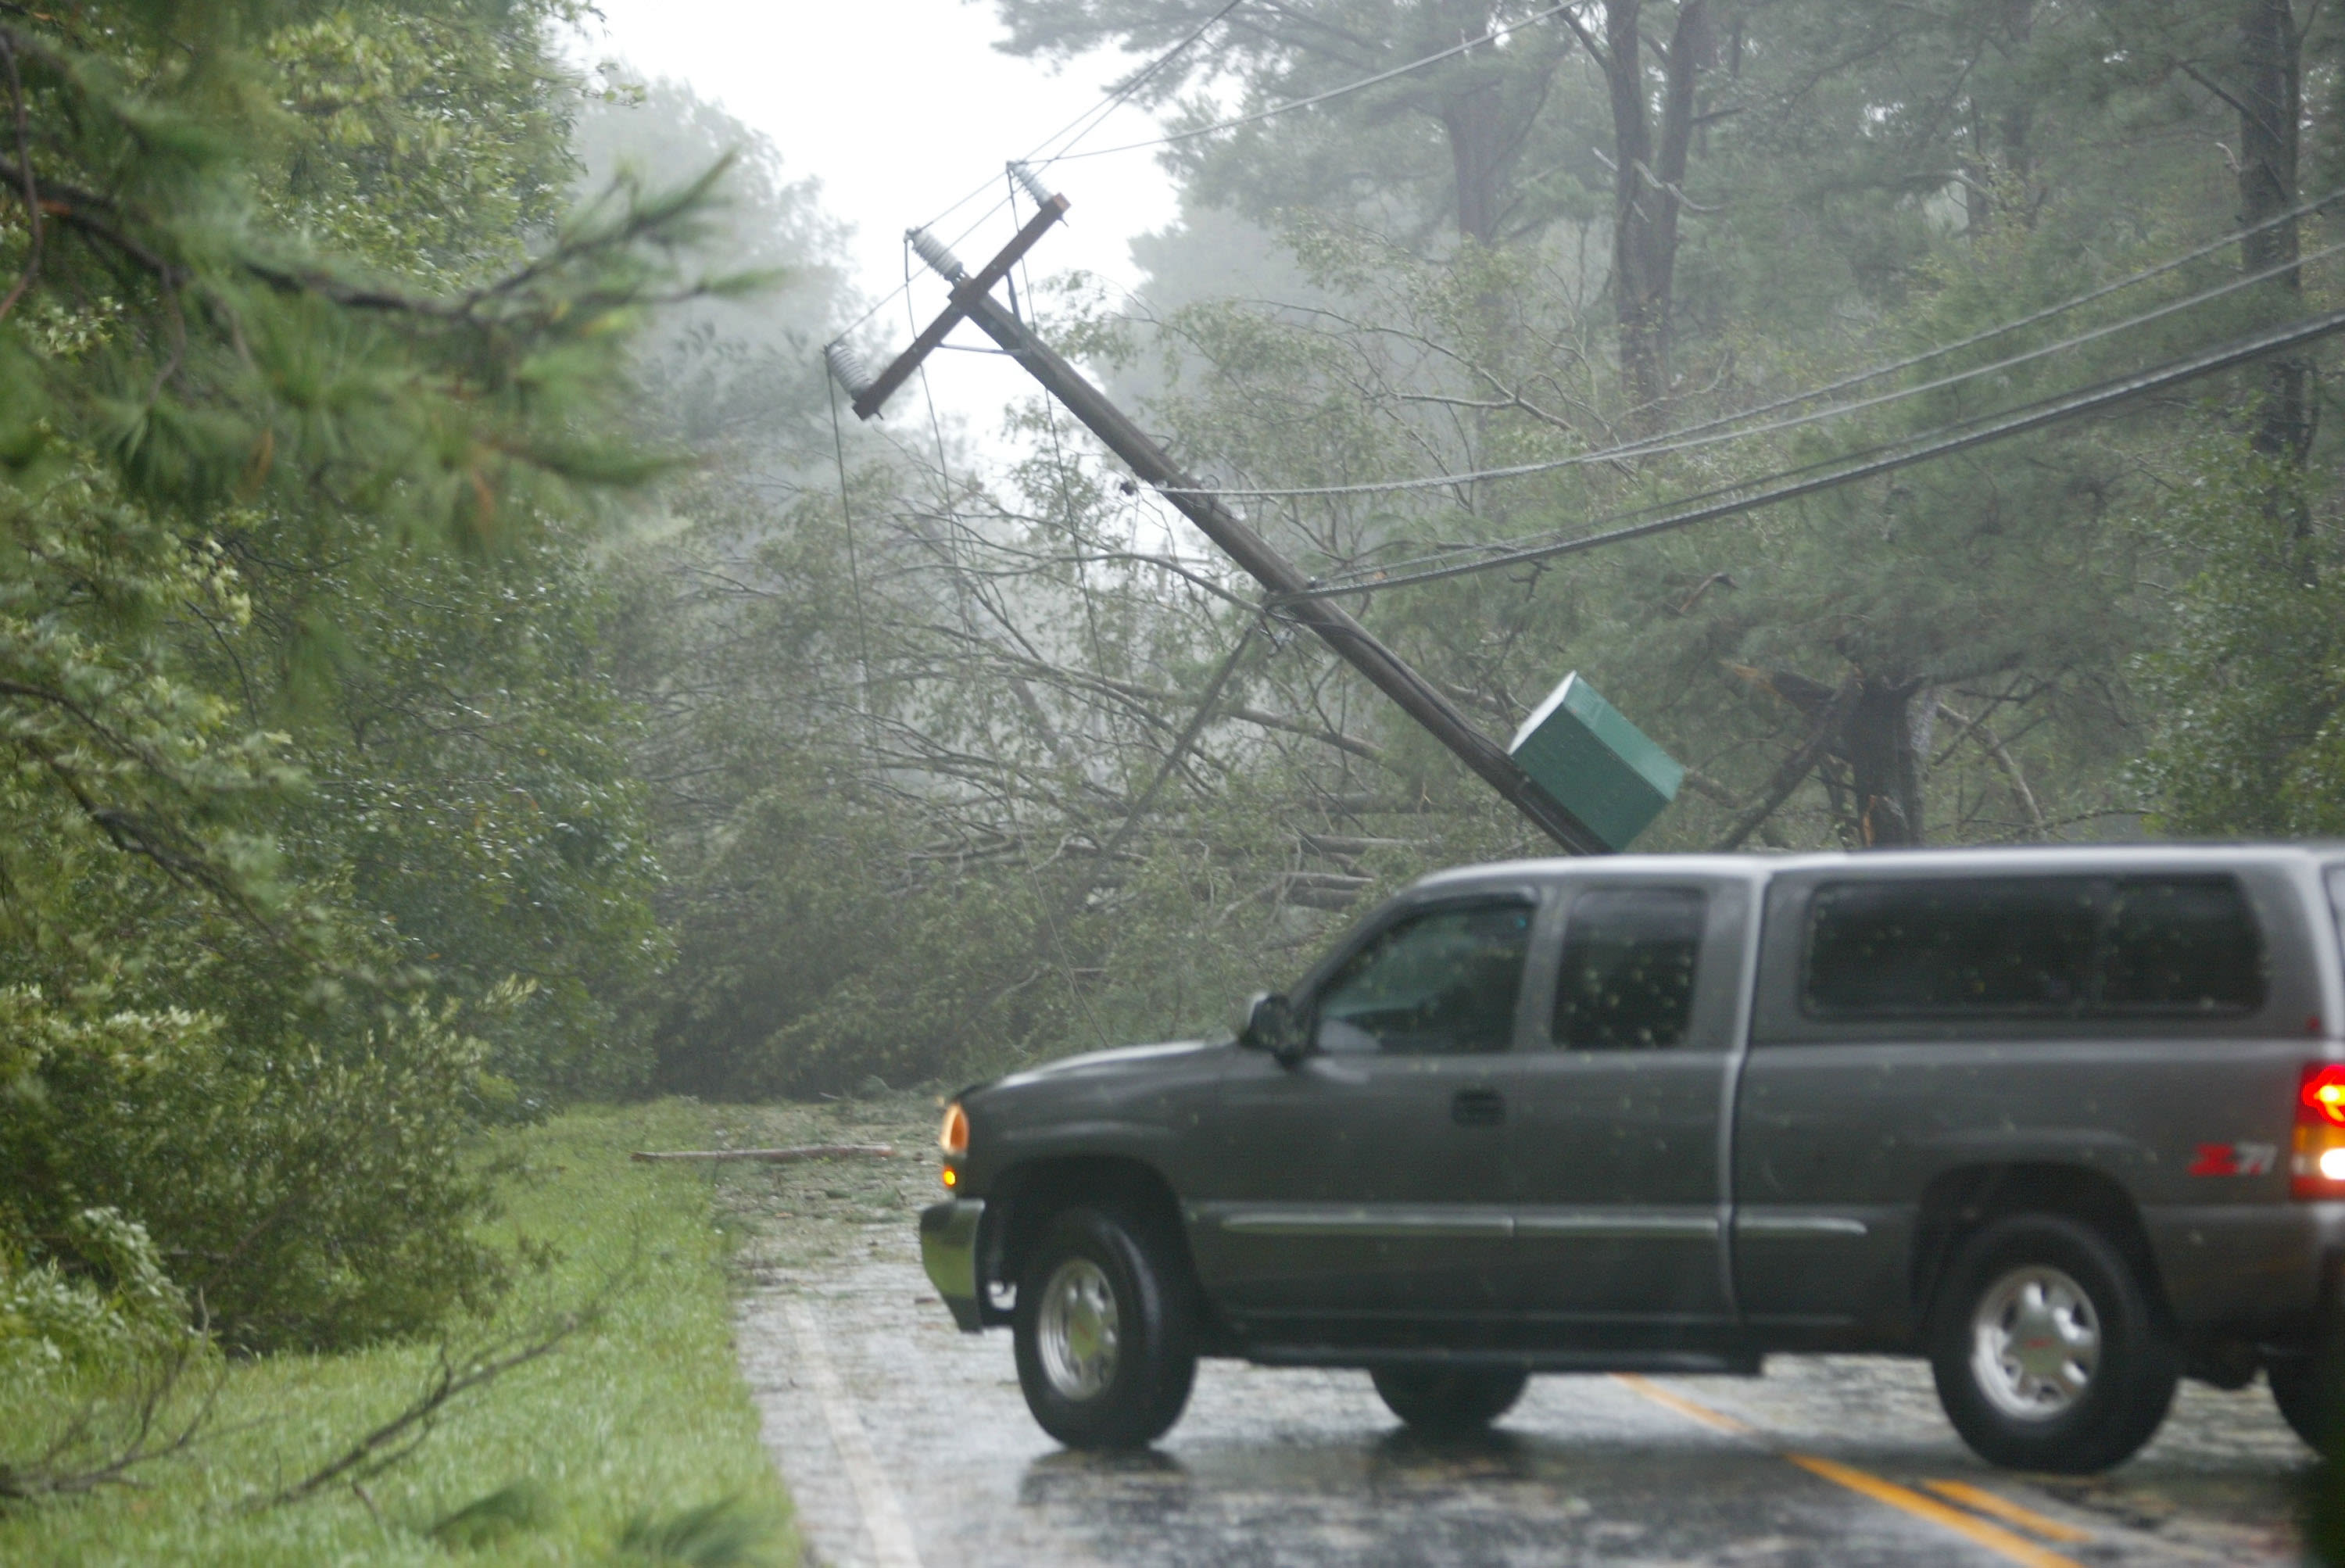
x=2009, y=946
x=2044, y=947
x=1626, y=982
x=1445, y=980
x=2181, y=945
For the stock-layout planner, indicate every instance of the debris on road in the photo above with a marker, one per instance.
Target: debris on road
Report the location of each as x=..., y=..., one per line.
x=774, y=1156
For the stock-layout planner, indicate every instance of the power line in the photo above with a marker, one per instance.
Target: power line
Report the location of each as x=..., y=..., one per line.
x=1711, y=432
x=1133, y=83
x=1096, y=115
x=1491, y=37
x=1790, y=485
x=1099, y=112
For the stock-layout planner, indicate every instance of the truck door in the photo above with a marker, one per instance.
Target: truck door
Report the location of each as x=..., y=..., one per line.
x=1364, y=1184
x=1615, y=1111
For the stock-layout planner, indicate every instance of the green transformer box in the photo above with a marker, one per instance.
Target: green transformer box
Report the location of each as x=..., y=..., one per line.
x=1596, y=763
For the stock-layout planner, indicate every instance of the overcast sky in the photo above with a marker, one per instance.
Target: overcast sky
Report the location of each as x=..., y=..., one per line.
x=900, y=109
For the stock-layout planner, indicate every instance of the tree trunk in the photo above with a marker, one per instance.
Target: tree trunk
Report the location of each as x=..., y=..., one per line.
x=1885, y=764
x=2270, y=100
x=1647, y=187
x=2002, y=156
x=1471, y=120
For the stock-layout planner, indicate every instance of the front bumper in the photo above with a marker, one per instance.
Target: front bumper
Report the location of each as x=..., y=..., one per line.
x=949, y=1251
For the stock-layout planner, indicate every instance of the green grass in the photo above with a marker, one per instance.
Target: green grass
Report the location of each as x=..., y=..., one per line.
x=614, y=1450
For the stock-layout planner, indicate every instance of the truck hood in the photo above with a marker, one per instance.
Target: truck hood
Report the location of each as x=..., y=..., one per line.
x=1118, y=1062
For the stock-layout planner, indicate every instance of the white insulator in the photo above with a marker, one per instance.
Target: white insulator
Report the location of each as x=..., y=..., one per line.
x=847, y=367
x=932, y=250
x=1024, y=175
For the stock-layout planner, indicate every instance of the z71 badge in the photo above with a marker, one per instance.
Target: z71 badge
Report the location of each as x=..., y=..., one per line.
x=2234, y=1159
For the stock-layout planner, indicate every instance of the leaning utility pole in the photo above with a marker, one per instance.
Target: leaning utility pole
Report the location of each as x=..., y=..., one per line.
x=972, y=299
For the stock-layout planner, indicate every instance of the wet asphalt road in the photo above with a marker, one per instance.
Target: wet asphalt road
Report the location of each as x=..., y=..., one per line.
x=905, y=1443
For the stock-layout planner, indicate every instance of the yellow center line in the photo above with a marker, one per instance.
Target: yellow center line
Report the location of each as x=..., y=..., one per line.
x=1979, y=1500
x=1680, y=1404
x=1993, y=1537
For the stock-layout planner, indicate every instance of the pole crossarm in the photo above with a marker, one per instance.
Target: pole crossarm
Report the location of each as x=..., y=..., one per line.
x=976, y=287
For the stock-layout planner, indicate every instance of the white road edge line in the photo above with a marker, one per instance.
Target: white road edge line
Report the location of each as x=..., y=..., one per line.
x=891, y=1536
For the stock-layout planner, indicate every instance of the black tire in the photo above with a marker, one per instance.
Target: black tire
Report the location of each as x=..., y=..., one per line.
x=1105, y=1332
x=2306, y=1390
x=1449, y=1400
x=2048, y=1351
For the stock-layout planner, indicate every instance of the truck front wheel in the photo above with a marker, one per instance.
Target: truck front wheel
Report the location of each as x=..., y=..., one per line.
x=2049, y=1353
x=1104, y=1332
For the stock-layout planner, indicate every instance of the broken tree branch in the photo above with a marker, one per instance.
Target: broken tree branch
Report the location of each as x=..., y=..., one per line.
x=773, y=1156
x=1795, y=767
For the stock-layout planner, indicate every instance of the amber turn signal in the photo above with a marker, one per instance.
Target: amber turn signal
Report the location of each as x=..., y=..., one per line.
x=953, y=1138
x=951, y=1178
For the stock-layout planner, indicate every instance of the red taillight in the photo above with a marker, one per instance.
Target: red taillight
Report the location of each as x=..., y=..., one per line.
x=2317, y=1166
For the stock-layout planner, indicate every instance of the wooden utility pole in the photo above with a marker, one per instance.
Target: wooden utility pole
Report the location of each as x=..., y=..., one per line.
x=972, y=301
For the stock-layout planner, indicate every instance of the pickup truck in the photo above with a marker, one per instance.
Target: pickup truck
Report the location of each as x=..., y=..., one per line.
x=2067, y=1121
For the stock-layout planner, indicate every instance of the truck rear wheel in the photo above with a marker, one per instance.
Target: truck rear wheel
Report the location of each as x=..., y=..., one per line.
x=1449, y=1400
x=2305, y=1389
x=1104, y=1333
x=2049, y=1353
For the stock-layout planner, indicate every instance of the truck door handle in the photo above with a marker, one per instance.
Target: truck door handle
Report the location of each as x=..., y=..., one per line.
x=1478, y=1109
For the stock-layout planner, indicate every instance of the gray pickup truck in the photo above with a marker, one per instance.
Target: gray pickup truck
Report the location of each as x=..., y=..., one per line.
x=2070, y=1123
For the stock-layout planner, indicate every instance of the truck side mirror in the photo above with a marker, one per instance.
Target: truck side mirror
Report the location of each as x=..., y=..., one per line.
x=1271, y=1025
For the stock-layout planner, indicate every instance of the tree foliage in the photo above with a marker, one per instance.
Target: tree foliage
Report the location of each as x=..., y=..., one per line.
x=317, y=839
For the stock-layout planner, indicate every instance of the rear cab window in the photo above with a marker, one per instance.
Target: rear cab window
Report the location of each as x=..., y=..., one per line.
x=2044, y=947
x=2009, y=952
x=1625, y=981
x=1929, y=948
x=1643, y=962
x=2181, y=945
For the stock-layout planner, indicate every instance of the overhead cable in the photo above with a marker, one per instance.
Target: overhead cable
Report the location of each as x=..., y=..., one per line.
x=1735, y=427
x=1790, y=485
x=1108, y=101
x=1491, y=37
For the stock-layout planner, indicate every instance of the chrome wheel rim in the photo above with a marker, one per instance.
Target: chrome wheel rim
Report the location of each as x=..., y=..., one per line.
x=1076, y=1329
x=2036, y=1342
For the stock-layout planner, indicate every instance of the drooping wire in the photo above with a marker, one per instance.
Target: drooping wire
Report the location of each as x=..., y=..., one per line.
x=1124, y=91
x=854, y=567
x=1072, y=133
x=1050, y=425
x=945, y=509
x=1825, y=474
x=1176, y=136
x=1117, y=96
x=1713, y=432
